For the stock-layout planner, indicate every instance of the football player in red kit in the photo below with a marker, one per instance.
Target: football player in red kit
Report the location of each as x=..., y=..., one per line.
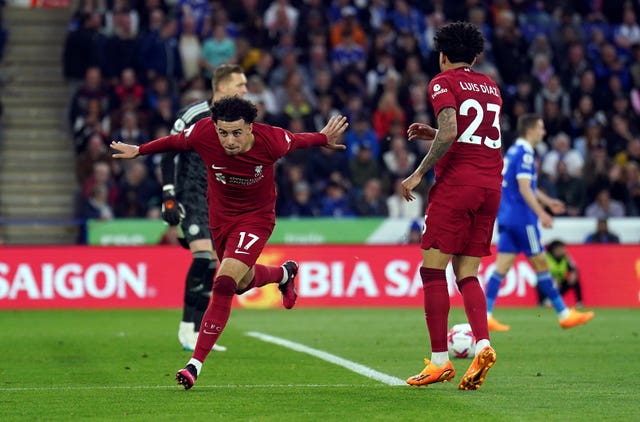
x=239, y=156
x=464, y=201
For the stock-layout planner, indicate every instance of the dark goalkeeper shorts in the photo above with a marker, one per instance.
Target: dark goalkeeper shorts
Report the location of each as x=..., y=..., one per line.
x=191, y=192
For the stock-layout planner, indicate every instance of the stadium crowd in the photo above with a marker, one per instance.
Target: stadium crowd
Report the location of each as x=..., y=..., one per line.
x=133, y=63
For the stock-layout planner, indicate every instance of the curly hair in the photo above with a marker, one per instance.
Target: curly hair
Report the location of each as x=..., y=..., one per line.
x=459, y=41
x=230, y=109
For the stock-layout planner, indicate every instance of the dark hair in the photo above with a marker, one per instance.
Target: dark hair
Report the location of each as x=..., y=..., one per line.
x=459, y=41
x=526, y=122
x=230, y=109
x=223, y=73
x=554, y=244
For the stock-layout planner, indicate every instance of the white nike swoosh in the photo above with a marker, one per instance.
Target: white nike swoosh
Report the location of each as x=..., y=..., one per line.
x=209, y=332
x=213, y=166
x=242, y=252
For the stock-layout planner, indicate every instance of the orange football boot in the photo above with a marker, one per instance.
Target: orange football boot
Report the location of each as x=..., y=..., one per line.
x=495, y=325
x=474, y=377
x=432, y=374
x=576, y=318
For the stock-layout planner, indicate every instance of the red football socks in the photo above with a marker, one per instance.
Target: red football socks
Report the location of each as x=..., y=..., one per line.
x=216, y=316
x=266, y=274
x=475, y=306
x=436, y=306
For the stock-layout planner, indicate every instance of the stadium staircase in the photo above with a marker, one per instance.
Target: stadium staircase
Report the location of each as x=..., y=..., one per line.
x=37, y=176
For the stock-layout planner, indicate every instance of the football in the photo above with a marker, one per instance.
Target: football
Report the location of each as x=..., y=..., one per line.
x=461, y=341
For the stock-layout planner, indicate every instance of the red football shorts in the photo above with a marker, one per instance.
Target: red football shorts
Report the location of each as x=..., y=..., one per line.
x=242, y=239
x=459, y=219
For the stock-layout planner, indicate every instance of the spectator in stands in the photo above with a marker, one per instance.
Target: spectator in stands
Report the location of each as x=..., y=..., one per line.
x=129, y=87
x=323, y=112
x=553, y=91
x=200, y=10
x=121, y=14
x=96, y=206
x=370, y=200
x=96, y=151
x=302, y=203
x=101, y=175
x=630, y=154
x=288, y=65
x=509, y=48
x=160, y=88
x=604, y=206
x=93, y=87
x=628, y=32
x=122, y=45
x=160, y=55
x=387, y=112
x=602, y=233
x=398, y=161
x=590, y=139
x=562, y=151
x=162, y=116
x=570, y=189
x=325, y=166
x=131, y=131
x=363, y=167
x=83, y=48
x=335, y=201
x=216, y=50
x=350, y=24
x=94, y=121
x=140, y=195
x=575, y=64
x=619, y=135
x=348, y=53
x=632, y=172
x=281, y=17
x=360, y=133
x=318, y=63
x=583, y=114
x=385, y=68
x=190, y=48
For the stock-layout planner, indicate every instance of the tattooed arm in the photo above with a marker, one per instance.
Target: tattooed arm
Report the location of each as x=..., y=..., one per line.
x=447, y=132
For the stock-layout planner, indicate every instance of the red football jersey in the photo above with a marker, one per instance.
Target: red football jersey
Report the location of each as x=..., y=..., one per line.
x=475, y=157
x=238, y=184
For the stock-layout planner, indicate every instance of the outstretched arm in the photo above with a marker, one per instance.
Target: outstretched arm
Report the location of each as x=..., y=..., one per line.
x=328, y=137
x=444, y=137
x=336, y=126
x=125, y=150
x=176, y=142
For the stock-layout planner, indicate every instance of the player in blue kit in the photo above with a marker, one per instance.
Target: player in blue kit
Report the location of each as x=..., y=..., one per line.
x=521, y=212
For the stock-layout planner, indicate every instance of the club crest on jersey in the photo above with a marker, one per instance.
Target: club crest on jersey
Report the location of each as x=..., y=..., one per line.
x=258, y=171
x=437, y=90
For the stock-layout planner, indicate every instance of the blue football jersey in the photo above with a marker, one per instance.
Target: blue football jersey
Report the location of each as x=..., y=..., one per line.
x=519, y=163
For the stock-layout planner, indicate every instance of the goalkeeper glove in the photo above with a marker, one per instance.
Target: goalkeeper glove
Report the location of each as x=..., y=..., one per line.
x=172, y=211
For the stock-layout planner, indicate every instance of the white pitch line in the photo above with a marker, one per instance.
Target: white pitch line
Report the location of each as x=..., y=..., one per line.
x=167, y=387
x=326, y=356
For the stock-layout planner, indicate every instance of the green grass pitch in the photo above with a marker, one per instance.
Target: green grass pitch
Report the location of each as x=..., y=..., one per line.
x=120, y=365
